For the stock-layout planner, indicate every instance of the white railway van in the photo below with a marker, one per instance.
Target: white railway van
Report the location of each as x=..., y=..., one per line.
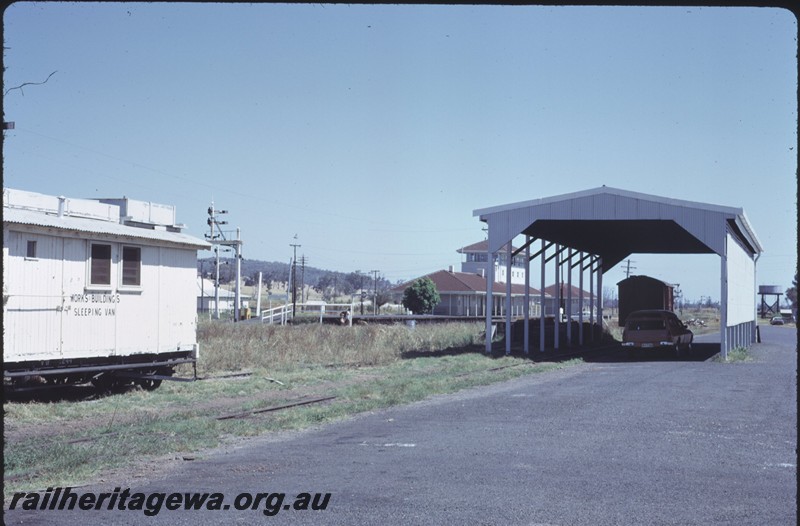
x=99, y=290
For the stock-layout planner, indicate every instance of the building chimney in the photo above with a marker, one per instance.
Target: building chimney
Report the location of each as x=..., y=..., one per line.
x=451, y=269
x=61, y=200
x=482, y=272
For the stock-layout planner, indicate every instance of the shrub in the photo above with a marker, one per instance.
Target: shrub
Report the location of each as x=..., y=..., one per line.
x=421, y=296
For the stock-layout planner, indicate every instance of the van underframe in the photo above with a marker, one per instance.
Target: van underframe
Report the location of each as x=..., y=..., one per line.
x=147, y=370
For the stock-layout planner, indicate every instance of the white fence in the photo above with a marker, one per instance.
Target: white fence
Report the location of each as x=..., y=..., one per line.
x=284, y=313
x=280, y=314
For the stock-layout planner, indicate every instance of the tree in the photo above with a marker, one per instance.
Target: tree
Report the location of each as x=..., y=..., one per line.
x=383, y=297
x=327, y=285
x=421, y=296
x=791, y=293
x=352, y=282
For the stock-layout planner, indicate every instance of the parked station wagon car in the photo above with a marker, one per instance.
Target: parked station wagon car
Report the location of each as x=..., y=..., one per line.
x=645, y=329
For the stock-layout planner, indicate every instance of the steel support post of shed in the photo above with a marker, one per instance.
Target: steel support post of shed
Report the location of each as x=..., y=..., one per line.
x=754, y=327
x=527, y=307
x=541, y=300
x=600, y=293
x=580, y=300
x=557, y=313
x=508, y=299
x=592, y=312
x=723, y=302
x=582, y=268
x=489, y=299
x=569, y=298
x=542, y=250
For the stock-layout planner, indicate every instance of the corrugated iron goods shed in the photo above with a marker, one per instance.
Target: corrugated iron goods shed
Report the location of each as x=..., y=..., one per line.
x=596, y=229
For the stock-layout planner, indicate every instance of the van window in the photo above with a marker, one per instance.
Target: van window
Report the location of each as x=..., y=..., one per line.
x=131, y=266
x=100, y=264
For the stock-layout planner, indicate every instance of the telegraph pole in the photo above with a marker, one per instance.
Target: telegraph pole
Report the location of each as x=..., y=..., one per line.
x=375, y=294
x=360, y=275
x=335, y=279
x=628, y=268
x=303, y=279
x=294, y=276
x=216, y=282
x=237, y=291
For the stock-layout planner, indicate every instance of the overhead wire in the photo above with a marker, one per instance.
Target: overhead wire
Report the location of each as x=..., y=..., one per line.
x=394, y=227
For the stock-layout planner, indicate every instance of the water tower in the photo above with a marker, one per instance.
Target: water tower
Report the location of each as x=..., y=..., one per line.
x=769, y=307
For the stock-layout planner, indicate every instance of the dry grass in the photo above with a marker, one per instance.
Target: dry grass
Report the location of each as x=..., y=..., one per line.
x=233, y=346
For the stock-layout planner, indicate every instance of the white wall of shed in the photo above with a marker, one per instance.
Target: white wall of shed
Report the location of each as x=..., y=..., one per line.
x=741, y=298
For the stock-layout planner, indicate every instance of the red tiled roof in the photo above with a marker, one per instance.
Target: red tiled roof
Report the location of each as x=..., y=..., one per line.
x=448, y=282
x=551, y=290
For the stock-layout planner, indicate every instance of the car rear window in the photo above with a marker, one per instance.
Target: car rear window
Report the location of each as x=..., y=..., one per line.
x=646, y=325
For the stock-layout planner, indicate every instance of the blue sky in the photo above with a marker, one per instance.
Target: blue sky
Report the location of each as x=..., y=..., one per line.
x=373, y=132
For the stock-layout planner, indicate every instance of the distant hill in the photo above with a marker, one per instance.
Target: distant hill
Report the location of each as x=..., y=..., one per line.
x=324, y=281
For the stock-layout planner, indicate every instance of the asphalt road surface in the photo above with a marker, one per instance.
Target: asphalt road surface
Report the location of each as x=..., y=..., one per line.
x=653, y=440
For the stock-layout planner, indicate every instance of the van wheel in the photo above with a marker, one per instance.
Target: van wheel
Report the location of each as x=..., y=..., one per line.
x=149, y=385
x=103, y=382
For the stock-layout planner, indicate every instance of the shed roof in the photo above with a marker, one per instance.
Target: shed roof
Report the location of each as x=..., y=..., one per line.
x=480, y=246
x=615, y=223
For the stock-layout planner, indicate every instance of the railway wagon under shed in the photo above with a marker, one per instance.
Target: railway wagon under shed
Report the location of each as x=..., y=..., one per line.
x=99, y=290
x=643, y=293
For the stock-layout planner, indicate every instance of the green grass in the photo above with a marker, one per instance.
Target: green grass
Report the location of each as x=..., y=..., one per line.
x=365, y=368
x=739, y=354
